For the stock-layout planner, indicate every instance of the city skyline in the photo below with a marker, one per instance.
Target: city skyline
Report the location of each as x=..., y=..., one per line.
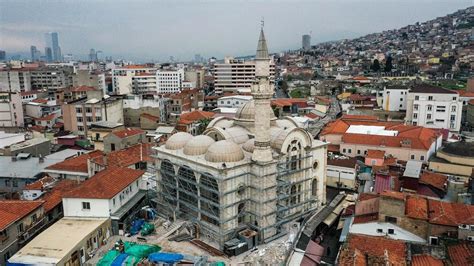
x=151, y=29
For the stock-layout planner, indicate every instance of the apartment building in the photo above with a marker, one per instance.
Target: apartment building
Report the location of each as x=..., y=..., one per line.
x=86, y=77
x=11, y=110
x=52, y=78
x=79, y=115
x=15, y=80
x=235, y=75
x=169, y=81
x=394, y=98
x=143, y=83
x=434, y=107
x=122, y=78
x=233, y=101
x=195, y=76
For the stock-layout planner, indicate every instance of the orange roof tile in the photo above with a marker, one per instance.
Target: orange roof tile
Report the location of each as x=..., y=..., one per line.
x=106, y=184
x=464, y=93
x=425, y=260
x=434, y=179
x=46, y=118
x=76, y=164
x=377, y=154
x=40, y=101
x=461, y=254
x=54, y=197
x=188, y=118
x=127, y=132
x=128, y=156
x=416, y=207
x=150, y=117
x=14, y=210
x=40, y=183
x=449, y=213
x=374, y=249
x=393, y=194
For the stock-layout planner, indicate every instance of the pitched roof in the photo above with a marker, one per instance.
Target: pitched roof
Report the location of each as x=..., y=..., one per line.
x=54, y=197
x=449, y=213
x=150, y=117
x=13, y=210
x=127, y=132
x=461, y=254
x=46, y=117
x=348, y=162
x=374, y=249
x=426, y=88
x=416, y=207
x=425, y=260
x=377, y=154
x=128, y=156
x=188, y=118
x=435, y=180
x=76, y=164
x=105, y=184
x=40, y=183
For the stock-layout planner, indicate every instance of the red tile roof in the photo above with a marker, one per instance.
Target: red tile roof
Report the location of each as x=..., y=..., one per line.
x=128, y=156
x=150, y=117
x=54, y=197
x=377, y=154
x=461, y=254
x=416, y=207
x=464, y=93
x=280, y=102
x=40, y=100
x=127, y=132
x=393, y=195
x=450, y=214
x=46, y=118
x=425, y=260
x=375, y=250
x=76, y=164
x=189, y=118
x=14, y=210
x=40, y=183
x=348, y=162
x=435, y=180
x=368, y=206
x=106, y=184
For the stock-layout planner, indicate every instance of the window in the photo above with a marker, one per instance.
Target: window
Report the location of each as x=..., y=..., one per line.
x=15, y=183
x=112, y=147
x=379, y=230
x=343, y=150
x=358, y=151
x=34, y=218
x=422, y=158
x=349, y=150
x=415, y=107
x=455, y=98
x=453, y=108
x=430, y=107
x=86, y=205
x=430, y=98
x=417, y=98
x=113, y=201
x=391, y=231
x=7, y=182
x=20, y=228
x=453, y=117
x=415, y=116
x=412, y=157
x=428, y=116
x=78, y=110
x=390, y=219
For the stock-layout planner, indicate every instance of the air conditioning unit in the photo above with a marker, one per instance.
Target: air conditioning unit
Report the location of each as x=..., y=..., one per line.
x=463, y=226
x=470, y=238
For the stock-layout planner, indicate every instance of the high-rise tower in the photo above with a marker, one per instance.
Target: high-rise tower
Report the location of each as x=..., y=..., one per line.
x=262, y=92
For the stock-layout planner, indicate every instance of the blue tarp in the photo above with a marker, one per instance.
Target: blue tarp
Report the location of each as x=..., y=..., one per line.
x=136, y=226
x=119, y=260
x=165, y=257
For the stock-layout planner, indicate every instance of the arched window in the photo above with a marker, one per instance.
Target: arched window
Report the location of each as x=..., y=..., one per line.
x=314, y=187
x=294, y=155
x=168, y=182
x=240, y=212
x=188, y=192
x=293, y=194
x=209, y=191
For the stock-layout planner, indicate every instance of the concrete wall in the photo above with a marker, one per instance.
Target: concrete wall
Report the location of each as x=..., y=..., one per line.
x=132, y=118
x=122, y=143
x=99, y=208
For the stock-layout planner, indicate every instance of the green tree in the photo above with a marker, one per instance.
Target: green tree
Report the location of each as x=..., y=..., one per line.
x=375, y=65
x=388, y=64
x=203, y=123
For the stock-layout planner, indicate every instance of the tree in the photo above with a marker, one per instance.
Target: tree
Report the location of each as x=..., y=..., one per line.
x=388, y=64
x=203, y=123
x=375, y=65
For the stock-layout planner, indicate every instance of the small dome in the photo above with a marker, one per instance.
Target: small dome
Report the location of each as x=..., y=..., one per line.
x=224, y=151
x=198, y=145
x=247, y=112
x=178, y=140
x=249, y=146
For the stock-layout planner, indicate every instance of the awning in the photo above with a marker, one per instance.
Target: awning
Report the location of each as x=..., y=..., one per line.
x=118, y=215
x=330, y=219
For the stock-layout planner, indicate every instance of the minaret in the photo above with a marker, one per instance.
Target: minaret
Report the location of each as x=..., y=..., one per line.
x=262, y=91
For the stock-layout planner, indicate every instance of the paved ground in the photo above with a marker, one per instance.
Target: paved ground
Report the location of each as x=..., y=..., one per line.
x=333, y=112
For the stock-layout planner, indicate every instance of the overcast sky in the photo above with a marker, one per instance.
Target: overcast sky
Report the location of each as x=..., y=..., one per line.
x=155, y=30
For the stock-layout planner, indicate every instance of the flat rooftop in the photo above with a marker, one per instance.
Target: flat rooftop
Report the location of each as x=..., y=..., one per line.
x=371, y=130
x=55, y=243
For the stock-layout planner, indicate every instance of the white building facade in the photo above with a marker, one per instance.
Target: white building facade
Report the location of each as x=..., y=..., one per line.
x=434, y=107
x=169, y=81
x=394, y=98
x=122, y=78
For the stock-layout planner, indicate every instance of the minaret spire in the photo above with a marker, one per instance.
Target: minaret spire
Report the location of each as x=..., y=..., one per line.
x=262, y=91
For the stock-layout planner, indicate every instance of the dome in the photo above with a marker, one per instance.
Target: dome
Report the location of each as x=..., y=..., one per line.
x=224, y=151
x=198, y=145
x=249, y=146
x=178, y=140
x=247, y=112
x=237, y=134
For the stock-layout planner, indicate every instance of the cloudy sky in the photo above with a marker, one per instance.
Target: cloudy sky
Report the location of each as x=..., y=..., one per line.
x=155, y=30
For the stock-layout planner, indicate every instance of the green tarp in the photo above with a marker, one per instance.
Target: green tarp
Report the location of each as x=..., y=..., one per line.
x=140, y=251
x=108, y=258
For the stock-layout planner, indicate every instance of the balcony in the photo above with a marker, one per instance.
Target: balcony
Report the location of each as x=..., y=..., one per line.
x=32, y=230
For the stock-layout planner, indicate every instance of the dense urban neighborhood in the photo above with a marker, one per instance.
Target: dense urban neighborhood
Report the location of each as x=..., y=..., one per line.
x=351, y=152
